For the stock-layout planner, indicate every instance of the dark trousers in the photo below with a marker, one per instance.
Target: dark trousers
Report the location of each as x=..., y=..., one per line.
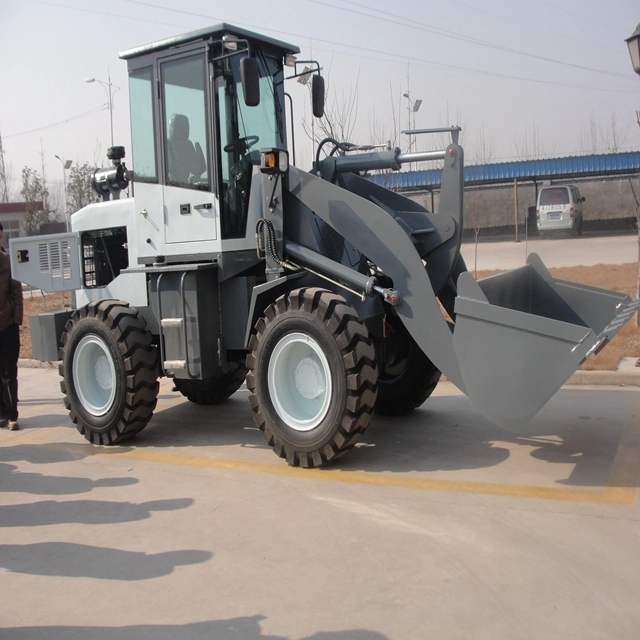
x=9, y=352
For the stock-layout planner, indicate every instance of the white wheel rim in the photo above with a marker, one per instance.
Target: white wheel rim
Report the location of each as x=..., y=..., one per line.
x=299, y=381
x=94, y=375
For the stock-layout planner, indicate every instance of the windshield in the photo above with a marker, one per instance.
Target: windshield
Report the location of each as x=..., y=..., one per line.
x=243, y=129
x=555, y=196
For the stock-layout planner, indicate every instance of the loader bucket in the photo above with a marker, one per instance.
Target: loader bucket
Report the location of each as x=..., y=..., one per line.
x=520, y=335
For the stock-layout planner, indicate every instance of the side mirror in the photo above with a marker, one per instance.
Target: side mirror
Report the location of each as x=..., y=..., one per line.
x=317, y=95
x=250, y=81
x=583, y=199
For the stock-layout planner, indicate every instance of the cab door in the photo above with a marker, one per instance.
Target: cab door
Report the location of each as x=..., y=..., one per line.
x=190, y=205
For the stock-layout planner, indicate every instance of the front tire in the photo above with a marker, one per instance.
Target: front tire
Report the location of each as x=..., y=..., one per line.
x=213, y=390
x=312, y=377
x=407, y=377
x=110, y=371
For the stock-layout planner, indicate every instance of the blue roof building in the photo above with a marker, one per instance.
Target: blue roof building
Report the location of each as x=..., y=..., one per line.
x=569, y=168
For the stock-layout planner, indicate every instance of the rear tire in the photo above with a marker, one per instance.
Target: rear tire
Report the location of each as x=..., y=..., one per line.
x=407, y=377
x=312, y=377
x=213, y=390
x=110, y=371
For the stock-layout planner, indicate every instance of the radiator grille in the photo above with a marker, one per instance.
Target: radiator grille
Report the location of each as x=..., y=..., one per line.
x=55, y=259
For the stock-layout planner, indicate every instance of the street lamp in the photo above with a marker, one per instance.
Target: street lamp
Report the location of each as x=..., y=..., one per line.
x=66, y=164
x=633, y=42
x=412, y=107
x=108, y=88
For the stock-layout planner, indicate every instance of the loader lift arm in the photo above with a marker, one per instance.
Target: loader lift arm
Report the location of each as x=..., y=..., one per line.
x=516, y=338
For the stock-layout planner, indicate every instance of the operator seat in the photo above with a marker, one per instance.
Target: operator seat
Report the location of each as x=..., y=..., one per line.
x=186, y=162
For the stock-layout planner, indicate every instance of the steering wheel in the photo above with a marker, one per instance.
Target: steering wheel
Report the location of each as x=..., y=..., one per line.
x=241, y=144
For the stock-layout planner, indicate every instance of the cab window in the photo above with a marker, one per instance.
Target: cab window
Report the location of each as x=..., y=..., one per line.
x=242, y=132
x=186, y=136
x=143, y=139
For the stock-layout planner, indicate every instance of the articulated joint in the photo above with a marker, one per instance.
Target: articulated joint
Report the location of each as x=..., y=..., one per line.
x=391, y=296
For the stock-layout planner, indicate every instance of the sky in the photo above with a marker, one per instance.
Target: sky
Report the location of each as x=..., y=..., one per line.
x=550, y=77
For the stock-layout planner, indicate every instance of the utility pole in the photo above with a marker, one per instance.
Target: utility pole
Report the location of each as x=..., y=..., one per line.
x=4, y=189
x=66, y=164
x=109, y=88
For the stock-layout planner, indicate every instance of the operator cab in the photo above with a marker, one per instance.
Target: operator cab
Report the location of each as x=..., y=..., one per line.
x=202, y=105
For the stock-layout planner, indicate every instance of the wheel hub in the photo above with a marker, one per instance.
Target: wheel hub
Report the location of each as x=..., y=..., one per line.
x=94, y=375
x=309, y=378
x=103, y=373
x=299, y=380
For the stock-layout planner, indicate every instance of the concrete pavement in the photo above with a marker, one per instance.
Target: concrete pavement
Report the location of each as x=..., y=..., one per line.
x=438, y=525
x=556, y=251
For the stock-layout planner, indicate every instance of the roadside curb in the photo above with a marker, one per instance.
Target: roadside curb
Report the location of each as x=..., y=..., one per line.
x=26, y=363
x=623, y=378
x=614, y=378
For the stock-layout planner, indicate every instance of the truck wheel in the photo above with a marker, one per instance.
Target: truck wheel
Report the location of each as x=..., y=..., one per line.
x=407, y=377
x=312, y=376
x=110, y=371
x=213, y=390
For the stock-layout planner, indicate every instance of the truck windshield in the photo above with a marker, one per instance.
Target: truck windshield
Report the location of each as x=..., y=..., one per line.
x=243, y=129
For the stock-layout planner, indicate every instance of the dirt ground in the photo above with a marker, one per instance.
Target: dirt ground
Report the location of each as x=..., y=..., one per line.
x=621, y=278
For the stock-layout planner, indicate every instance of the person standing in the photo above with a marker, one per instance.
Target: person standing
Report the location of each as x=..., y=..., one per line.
x=10, y=321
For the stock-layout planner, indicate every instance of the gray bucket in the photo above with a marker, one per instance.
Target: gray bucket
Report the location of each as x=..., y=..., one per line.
x=520, y=335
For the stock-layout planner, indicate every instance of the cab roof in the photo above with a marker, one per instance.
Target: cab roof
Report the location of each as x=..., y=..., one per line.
x=209, y=33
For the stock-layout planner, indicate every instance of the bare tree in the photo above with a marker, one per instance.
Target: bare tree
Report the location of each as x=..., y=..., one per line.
x=483, y=149
x=590, y=138
x=34, y=192
x=482, y=153
x=529, y=146
x=616, y=137
x=596, y=139
x=79, y=190
x=379, y=136
x=340, y=114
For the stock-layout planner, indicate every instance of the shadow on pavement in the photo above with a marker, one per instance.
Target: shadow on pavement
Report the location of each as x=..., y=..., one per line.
x=70, y=560
x=445, y=434
x=247, y=628
x=49, y=512
x=43, y=454
x=12, y=480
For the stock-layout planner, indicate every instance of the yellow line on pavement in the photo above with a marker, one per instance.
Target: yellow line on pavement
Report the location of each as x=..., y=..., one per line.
x=617, y=495
x=621, y=489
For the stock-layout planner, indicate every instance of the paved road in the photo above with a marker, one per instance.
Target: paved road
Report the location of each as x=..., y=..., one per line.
x=439, y=525
x=555, y=252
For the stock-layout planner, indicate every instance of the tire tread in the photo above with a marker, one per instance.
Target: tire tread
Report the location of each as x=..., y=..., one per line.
x=361, y=369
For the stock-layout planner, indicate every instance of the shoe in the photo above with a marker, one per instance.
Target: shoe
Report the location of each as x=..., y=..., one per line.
x=13, y=425
x=4, y=423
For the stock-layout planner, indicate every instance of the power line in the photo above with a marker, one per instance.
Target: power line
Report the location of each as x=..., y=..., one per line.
x=367, y=50
x=402, y=57
x=564, y=35
x=411, y=23
x=573, y=14
x=420, y=62
x=55, y=124
x=111, y=14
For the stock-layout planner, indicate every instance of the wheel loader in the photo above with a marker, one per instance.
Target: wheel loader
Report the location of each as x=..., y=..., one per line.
x=334, y=297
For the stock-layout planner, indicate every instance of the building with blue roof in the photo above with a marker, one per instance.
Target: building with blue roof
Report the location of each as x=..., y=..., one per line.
x=497, y=194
